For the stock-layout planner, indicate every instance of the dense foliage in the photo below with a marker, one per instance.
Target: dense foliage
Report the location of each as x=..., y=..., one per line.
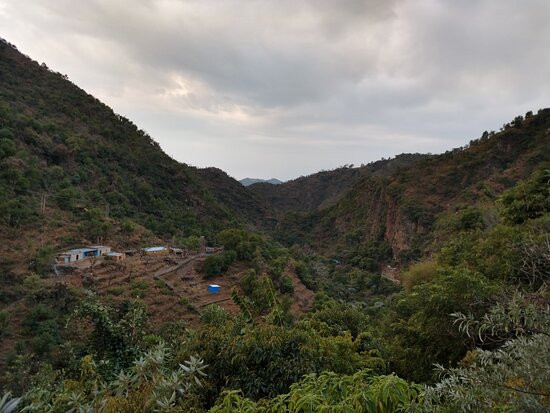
x=361, y=392
x=391, y=219
x=151, y=383
x=513, y=377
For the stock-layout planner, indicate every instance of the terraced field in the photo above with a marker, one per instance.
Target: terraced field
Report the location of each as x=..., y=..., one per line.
x=172, y=288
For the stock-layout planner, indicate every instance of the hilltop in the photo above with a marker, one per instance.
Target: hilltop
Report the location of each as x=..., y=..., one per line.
x=323, y=189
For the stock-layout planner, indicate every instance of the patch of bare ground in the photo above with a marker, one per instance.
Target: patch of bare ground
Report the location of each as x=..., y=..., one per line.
x=173, y=289
x=391, y=273
x=303, y=297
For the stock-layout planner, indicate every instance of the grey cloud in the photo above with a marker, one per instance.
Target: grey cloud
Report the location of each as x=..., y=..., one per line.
x=229, y=82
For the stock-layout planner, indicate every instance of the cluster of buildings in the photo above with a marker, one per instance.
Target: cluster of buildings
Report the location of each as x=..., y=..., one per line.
x=95, y=251
x=79, y=254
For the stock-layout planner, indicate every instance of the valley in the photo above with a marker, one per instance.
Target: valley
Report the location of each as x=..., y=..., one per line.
x=343, y=288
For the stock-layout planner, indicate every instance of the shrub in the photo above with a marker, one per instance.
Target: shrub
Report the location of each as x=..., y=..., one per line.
x=513, y=377
x=419, y=273
x=192, y=242
x=7, y=148
x=116, y=291
x=213, y=265
x=286, y=286
x=139, y=288
x=128, y=226
x=149, y=383
x=471, y=219
x=163, y=287
x=6, y=133
x=229, y=257
x=360, y=392
x=528, y=199
x=44, y=259
x=4, y=321
x=214, y=315
x=66, y=198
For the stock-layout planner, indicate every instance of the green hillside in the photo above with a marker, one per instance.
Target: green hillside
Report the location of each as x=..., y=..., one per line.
x=102, y=178
x=323, y=189
x=416, y=205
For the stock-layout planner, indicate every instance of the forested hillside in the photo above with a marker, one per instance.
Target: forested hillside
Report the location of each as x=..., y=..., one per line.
x=323, y=189
x=98, y=174
x=308, y=318
x=408, y=209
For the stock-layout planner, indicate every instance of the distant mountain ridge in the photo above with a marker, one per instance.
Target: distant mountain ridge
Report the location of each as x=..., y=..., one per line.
x=252, y=181
x=323, y=189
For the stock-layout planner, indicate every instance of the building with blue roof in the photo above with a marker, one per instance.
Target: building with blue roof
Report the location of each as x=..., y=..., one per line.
x=79, y=254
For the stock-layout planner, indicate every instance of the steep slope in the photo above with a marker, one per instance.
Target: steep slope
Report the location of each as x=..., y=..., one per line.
x=401, y=214
x=233, y=196
x=325, y=188
x=73, y=171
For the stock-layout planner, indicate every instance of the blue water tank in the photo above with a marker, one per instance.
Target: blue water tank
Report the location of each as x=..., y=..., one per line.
x=213, y=288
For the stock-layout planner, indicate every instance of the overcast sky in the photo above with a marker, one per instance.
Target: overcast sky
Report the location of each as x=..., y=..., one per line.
x=285, y=88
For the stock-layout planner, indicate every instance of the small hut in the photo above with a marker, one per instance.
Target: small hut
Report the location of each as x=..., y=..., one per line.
x=114, y=256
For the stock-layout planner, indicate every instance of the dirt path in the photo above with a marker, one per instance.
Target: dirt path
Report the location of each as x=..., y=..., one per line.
x=186, y=261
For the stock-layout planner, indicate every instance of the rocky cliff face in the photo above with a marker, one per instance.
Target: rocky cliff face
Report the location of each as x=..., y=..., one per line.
x=376, y=214
x=399, y=229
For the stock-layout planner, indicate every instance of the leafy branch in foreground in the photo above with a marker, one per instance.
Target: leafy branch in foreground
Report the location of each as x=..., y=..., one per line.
x=7, y=404
x=514, y=377
x=151, y=384
x=521, y=315
x=332, y=392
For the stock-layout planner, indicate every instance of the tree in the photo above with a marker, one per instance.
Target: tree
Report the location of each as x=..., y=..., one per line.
x=7, y=148
x=527, y=200
x=150, y=384
x=116, y=341
x=418, y=330
x=512, y=377
x=331, y=392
